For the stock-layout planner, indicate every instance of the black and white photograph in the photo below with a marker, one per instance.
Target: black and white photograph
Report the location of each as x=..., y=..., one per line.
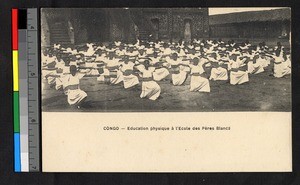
x=150, y=92
x=166, y=59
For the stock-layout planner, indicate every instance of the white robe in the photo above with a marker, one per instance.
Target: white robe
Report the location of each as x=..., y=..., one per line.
x=50, y=79
x=129, y=80
x=198, y=83
x=160, y=74
x=45, y=73
x=118, y=79
x=255, y=68
x=150, y=89
x=59, y=83
x=93, y=72
x=238, y=77
x=219, y=73
x=113, y=63
x=265, y=62
x=178, y=79
x=281, y=68
x=77, y=95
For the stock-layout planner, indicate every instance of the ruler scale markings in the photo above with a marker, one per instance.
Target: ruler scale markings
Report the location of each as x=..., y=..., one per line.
x=23, y=90
x=33, y=91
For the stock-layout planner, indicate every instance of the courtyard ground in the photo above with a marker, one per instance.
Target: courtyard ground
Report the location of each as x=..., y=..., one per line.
x=262, y=93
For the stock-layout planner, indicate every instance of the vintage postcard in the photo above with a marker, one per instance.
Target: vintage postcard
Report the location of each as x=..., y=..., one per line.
x=166, y=89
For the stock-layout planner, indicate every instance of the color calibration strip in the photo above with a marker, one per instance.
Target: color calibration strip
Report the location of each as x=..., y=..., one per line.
x=16, y=107
x=25, y=90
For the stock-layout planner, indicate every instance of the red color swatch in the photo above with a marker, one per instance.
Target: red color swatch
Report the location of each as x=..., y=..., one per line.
x=14, y=22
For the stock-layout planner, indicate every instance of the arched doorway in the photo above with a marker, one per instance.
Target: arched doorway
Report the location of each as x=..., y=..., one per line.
x=155, y=23
x=187, y=34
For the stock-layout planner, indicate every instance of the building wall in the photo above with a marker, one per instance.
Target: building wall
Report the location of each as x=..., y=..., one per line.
x=171, y=22
x=197, y=24
x=250, y=30
x=162, y=17
x=102, y=25
x=121, y=25
x=90, y=26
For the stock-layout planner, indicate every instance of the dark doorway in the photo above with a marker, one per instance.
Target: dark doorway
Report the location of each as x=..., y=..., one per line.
x=187, y=35
x=155, y=23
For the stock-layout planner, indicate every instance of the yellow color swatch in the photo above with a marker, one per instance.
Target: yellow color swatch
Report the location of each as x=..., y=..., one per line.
x=15, y=70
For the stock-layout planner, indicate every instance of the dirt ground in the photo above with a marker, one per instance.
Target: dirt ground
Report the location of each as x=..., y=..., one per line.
x=262, y=93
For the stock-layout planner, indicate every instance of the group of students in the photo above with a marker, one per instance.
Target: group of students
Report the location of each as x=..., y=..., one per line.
x=152, y=62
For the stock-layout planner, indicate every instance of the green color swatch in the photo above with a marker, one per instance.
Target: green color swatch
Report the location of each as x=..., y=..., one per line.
x=16, y=112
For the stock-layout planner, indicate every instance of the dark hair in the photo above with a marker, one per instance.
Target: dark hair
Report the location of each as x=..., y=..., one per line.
x=146, y=64
x=180, y=41
x=279, y=44
x=277, y=53
x=73, y=70
x=284, y=56
x=67, y=61
x=195, y=61
x=214, y=55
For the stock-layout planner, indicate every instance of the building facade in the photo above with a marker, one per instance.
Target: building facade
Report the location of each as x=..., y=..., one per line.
x=270, y=24
x=76, y=26
x=179, y=23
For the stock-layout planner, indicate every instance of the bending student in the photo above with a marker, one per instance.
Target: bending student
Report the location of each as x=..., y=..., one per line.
x=150, y=88
x=76, y=96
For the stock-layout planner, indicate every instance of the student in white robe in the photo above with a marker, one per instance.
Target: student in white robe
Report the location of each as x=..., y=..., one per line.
x=198, y=81
x=112, y=74
x=288, y=61
x=184, y=65
x=181, y=52
x=166, y=50
x=161, y=71
x=255, y=66
x=191, y=53
x=150, y=88
x=238, y=74
x=149, y=51
x=90, y=51
x=61, y=74
x=154, y=59
x=142, y=54
x=129, y=79
x=60, y=65
x=132, y=52
x=120, y=52
x=49, y=69
x=279, y=48
x=56, y=46
x=263, y=60
x=117, y=43
x=90, y=64
x=218, y=71
x=178, y=76
x=75, y=95
x=281, y=67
